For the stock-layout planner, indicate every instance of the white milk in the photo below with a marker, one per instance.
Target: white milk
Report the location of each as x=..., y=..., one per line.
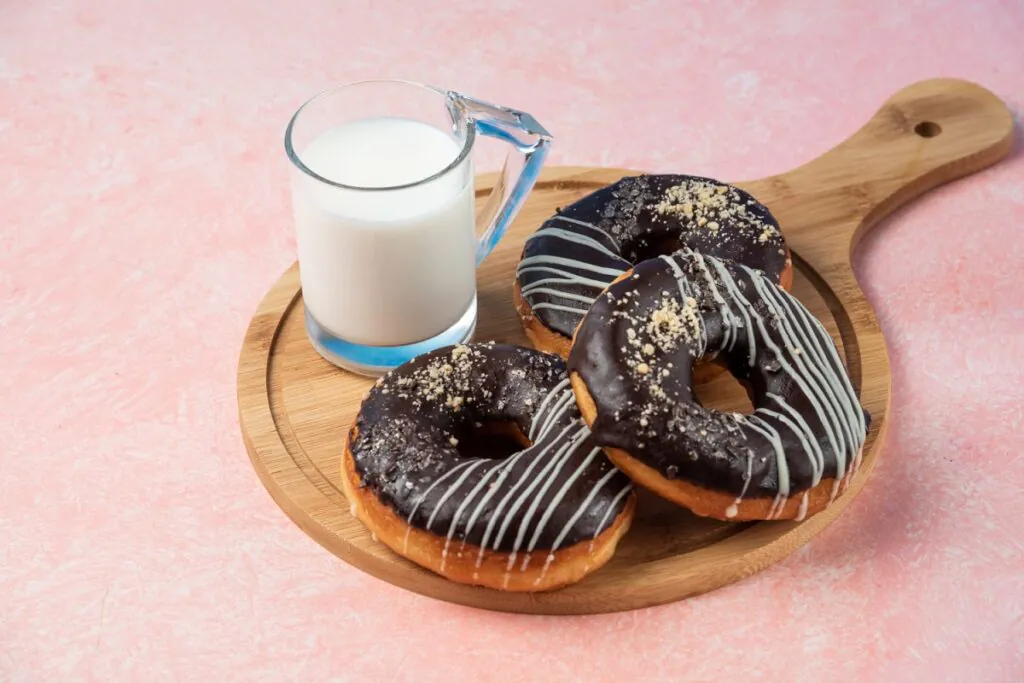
x=393, y=266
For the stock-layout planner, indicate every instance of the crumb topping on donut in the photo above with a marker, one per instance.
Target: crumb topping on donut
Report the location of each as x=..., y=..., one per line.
x=580, y=250
x=635, y=351
x=672, y=322
x=654, y=335
x=709, y=205
x=448, y=377
x=410, y=433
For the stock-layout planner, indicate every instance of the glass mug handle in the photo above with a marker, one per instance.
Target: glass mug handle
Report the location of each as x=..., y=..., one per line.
x=531, y=143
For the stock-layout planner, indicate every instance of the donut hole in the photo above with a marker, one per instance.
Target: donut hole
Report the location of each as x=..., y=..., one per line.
x=724, y=393
x=648, y=248
x=492, y=440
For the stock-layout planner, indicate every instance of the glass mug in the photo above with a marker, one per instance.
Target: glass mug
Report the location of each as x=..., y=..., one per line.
x=384, y=206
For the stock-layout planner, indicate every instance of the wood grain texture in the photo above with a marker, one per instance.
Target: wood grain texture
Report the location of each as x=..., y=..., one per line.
x=295, y=408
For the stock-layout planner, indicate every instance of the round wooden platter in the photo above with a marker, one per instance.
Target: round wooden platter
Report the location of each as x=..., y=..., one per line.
x=295, y=408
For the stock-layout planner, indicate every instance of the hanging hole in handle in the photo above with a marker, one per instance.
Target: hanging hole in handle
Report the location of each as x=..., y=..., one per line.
x=927, y=129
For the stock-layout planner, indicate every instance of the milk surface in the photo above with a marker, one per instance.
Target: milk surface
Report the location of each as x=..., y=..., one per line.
x=385, y=267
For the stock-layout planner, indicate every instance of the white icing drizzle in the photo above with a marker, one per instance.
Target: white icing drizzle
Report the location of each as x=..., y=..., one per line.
x=567, y=400
x=546, y=260
x=608, y=513
x=482, y=505
x=817, y=468
x=558, y=265
x=561, y=386
x=734, y=509
x=554, y=292
x=769, y=432
x=806, y=436
x=586, y=504
x=469, y=498
x=423, y=496
x=523, y=479
x=827, y=392
x=526, y=562
x=452, y=489
x=801, y=513
x=811, y=361
x=585, y=224
x=557, y=410
x=546, y=517
x=575, y=238
x=826, y=414
x=568, y=278
x=729, y=322
x=746, y=310
x=686, y=293
x=845, y=390
x=544, y=570
x=547, y=478
x=797, y=341
x=557, y=307
x=553, y=449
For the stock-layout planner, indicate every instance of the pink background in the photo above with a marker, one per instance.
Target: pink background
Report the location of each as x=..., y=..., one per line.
x=145, y=213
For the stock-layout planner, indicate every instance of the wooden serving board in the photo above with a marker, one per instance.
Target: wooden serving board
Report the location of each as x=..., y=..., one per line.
x=295, y=408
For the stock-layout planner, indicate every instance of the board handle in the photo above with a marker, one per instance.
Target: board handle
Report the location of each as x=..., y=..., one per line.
x=925, y=135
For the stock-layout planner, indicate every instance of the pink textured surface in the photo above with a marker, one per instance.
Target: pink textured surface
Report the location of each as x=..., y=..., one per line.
x=145, y=213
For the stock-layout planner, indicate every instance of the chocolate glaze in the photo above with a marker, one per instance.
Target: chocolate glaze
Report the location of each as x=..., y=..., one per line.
x=558, y=492
x=581, y=249
x=635, y=351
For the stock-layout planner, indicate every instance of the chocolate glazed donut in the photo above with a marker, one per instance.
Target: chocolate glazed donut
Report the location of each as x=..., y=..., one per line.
x=631, y=366
x=579, y=251
x=543, y=517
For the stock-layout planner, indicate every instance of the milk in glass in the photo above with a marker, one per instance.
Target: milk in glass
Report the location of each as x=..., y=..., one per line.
x=386, y=267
